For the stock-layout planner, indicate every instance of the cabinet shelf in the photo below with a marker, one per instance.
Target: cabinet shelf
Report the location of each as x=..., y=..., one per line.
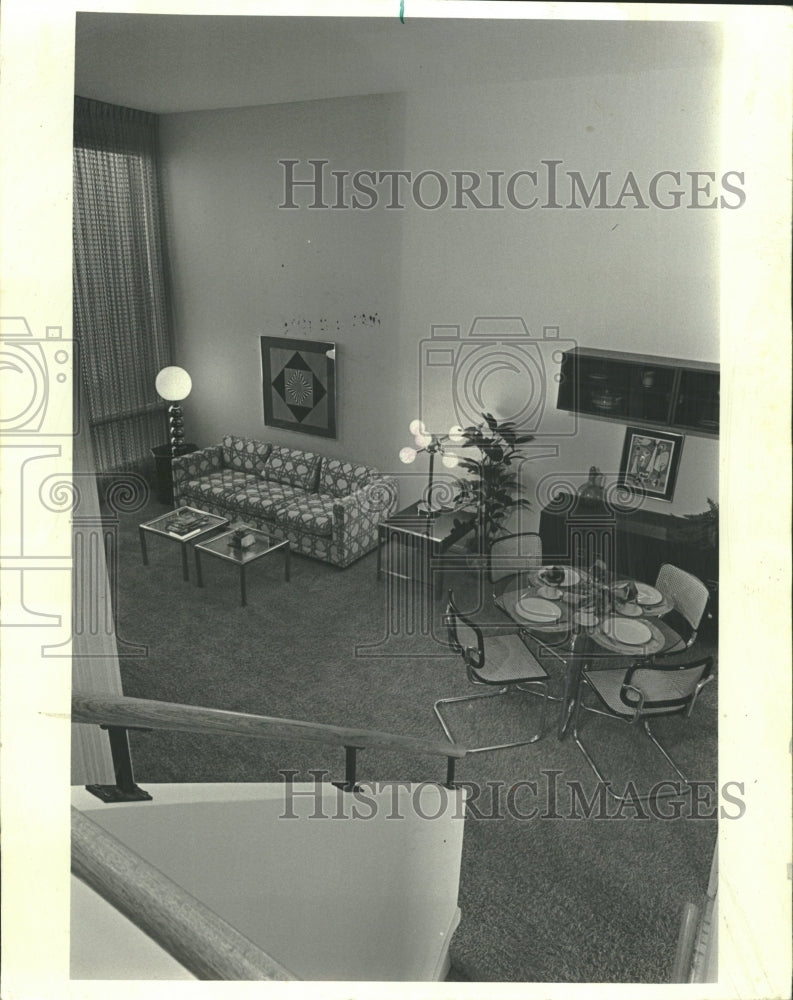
x=642, y=389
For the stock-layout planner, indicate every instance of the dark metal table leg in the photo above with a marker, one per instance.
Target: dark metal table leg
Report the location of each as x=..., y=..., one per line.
x=185, y=568
x=568, y=704
x=199, y=579
x=572, y=682
x=286, y=562
x=243, y=595
x=144, y=554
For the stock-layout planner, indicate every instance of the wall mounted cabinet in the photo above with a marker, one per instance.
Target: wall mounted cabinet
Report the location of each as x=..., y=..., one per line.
x=641, y=389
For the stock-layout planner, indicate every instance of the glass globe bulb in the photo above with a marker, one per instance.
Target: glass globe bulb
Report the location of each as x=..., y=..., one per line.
x=456, y=435
x=173, y=384
x=407, y=455
x=450, y=461
x=423, y=440
x=417, y=427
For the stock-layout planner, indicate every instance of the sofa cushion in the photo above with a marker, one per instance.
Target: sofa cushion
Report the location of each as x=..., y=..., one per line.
x=312, y=513
x=220, y=484
x=293, y=468
x=261, y=498
x=339, y=479
x=244, y=454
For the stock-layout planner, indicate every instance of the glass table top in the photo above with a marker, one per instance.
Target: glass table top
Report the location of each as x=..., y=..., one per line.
x=185, y=523
x=255, y=543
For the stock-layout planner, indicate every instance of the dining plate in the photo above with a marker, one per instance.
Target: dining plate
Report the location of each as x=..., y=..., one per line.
x=571, y=577
x=627, y=631
x=536, y=609
x=647, y=595
x=550, y=593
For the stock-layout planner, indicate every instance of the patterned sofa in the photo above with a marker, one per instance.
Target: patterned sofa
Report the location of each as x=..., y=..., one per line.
x=327, y=508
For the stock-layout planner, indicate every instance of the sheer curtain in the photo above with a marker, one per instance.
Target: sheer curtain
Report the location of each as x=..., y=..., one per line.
x=121, y=315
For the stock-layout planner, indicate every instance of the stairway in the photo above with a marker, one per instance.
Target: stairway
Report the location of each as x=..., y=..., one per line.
x=333, y=885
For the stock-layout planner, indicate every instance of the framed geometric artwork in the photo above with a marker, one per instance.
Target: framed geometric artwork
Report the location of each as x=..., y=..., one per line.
x=299, y=385
x=650, y=460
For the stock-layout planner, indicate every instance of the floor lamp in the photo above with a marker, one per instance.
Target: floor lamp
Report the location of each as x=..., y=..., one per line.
x=174, y=385
x=432, y=444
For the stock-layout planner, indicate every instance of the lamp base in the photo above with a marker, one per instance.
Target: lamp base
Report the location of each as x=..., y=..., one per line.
x=176, y=429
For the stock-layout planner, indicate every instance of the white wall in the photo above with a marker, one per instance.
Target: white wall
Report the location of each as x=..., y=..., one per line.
x=243, y=268
x=642, y=280
x=635, y=280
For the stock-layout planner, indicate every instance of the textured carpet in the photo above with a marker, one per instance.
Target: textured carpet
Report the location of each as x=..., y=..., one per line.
x=545, y=897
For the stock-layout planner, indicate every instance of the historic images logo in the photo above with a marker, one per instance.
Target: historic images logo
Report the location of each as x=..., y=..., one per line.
x=550, y=186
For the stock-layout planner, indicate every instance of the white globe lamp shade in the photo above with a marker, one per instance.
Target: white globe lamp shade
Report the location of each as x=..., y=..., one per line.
x=173, y=384
x=456, y=435
x=417, y=427
x=450, y=461
x=407, y=455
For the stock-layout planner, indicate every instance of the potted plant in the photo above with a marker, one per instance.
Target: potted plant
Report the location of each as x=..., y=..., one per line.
x=700, y=530
x=493, y=480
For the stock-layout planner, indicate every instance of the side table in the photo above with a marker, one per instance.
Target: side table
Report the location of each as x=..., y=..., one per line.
x=411, y=550
x=263, y=544
x=206, y=524
x=163, y=477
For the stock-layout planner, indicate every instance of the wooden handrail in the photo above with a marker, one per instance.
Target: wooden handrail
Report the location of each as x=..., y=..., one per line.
x=113, y=710
x=183, y=926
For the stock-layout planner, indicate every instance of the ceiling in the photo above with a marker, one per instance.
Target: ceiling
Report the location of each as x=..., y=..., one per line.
x=172, y=63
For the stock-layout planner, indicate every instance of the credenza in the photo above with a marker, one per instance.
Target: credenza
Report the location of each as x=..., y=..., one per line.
x=632, y=542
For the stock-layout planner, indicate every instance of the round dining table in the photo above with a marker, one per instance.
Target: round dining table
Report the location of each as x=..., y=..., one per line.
x=587, y=624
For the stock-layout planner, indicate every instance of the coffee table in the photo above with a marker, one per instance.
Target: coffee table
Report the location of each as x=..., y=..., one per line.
x=264, y=542
x=204, y=525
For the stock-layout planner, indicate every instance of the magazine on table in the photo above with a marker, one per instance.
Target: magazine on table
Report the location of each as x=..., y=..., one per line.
x=186, y=522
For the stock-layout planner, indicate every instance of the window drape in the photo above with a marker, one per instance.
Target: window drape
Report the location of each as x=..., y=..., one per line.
x=121, y=315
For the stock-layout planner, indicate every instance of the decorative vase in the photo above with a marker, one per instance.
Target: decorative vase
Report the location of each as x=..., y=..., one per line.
x=593, y=488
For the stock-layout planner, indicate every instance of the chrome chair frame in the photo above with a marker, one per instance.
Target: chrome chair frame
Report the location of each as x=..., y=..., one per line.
x=640, y=708
x=513, y=564
x=475, y=663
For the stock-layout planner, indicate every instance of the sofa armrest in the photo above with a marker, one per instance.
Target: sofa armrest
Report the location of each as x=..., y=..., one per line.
x=197, y=463
x=356, y=517
x=374, y=502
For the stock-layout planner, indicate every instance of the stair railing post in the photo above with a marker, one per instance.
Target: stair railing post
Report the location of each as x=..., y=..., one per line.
x=125, y=788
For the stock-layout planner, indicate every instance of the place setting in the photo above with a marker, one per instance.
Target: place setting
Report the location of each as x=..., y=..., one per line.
x=629, y=635
x=618, y=615
x=623, y=626
x=549, y=602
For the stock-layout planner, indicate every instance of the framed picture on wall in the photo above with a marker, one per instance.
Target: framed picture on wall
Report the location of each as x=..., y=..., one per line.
x=650, y=460
x=299, y=385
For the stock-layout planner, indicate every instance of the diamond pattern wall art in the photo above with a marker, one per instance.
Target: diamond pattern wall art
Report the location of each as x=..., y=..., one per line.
x=299, y=385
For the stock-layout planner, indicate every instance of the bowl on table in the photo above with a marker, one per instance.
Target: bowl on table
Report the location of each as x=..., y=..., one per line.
x=628, y=608
x=552, y=576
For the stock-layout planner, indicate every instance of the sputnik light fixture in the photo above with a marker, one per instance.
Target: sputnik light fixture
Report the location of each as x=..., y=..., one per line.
x=432, y=444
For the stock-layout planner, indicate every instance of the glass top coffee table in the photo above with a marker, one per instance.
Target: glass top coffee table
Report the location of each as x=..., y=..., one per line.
x=187, y=524
x=251, y=544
